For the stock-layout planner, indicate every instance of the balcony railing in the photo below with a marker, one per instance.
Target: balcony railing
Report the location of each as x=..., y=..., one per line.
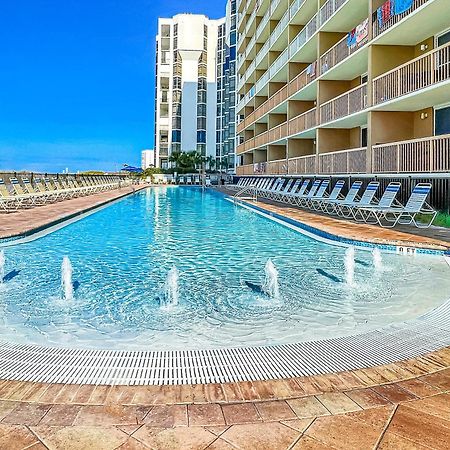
x=430, y=154
x=303, y=122
x=251, y=169
x=338, y=53
x=277, y=167
x=329, y=8
x=346, y=104
x=277, y=133
x=303, y=78
x=305, y=34
x=344, y=161
x=424, y=71
x=302, y=164
x=396, y=18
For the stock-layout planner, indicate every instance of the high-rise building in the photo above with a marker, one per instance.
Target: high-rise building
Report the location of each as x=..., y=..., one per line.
x=186, y=86
x=226, y=90
x=343, y=86
x=147, y=159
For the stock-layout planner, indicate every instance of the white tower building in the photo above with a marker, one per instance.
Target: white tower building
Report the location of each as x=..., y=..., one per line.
x=186, y=86
x=147, y=159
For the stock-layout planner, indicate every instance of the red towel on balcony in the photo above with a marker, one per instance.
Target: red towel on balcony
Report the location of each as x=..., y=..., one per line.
x=385, y=12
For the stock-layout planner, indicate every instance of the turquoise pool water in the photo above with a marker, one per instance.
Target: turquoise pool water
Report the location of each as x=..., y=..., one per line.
x=121, y=256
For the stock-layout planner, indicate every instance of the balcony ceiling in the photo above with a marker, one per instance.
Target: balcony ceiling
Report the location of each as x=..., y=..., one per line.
x=353, y=121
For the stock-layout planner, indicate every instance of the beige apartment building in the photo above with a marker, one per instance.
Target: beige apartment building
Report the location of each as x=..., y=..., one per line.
x=343, y=87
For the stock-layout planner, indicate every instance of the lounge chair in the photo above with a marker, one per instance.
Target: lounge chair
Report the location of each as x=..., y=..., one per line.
x=279, y=195
x=291, y=197
x=8, y=201
x=293, y=188
x=318, y=195
x=335, y=194
x=332, y=206
x=350, y=210
x=389, y=217
x=302, y=200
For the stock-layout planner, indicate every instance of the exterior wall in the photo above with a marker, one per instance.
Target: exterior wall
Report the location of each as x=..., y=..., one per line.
x=299, y=79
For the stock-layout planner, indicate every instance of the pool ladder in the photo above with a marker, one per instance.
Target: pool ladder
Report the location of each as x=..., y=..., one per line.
x=251, y=189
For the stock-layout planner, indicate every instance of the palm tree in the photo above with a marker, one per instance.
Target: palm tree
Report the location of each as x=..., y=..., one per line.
x=211, y=161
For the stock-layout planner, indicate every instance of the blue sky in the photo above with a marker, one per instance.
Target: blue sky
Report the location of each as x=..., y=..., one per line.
x=77, y=80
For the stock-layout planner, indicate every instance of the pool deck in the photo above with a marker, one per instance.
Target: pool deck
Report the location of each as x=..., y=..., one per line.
x=28, y=220
x=402, y=405
x=431, y=238
x=405, y=405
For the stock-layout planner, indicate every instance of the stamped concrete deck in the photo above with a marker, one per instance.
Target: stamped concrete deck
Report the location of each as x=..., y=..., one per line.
x=400, y=406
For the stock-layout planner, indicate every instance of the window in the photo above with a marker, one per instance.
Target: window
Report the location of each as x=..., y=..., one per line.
x=201, y=124
x=364, y=137
x=442, y=121
x=201, y=96
x=177, y=82
x=176, y=122
x=202, y=84
x=443, y=38
x=201, y=110
x=201, y=148
x=176, y=136
x=201, y=137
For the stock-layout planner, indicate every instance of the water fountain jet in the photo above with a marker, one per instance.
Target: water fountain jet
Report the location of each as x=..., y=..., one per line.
x=66, y=278
x=2, y=266
x=270, y=285
x=171, y=293
x=377, y=259
x=349, y=262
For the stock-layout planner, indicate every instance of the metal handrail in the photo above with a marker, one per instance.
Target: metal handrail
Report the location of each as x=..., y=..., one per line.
x=251, y=189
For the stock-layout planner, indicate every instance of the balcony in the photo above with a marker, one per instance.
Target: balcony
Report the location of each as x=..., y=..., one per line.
x=277, y=133
x=329, y=8
x=294, y=86
x=339, y=53
x=377, y=29
x=302, y=164
x=251, y=169
x=303, y=37
x=346, y=104
x=276, y=99
x=303, y=122
x=344, y=161
x=431, y=154
x=420, y=73
x=303, y=79
x=278, y=167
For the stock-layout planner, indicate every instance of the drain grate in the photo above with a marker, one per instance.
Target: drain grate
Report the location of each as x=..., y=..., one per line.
x=393, y=343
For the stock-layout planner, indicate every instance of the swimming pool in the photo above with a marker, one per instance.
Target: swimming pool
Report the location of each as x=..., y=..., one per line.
x=121, y=256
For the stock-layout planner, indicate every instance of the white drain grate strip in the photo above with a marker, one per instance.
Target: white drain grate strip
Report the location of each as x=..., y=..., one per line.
x=392, y=343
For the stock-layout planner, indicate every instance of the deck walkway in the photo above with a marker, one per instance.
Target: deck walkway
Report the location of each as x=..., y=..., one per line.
x=432, y=238
x=26, y=220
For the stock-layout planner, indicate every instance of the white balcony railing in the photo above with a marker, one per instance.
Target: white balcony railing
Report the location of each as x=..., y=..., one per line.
x=346, y=104
x=422, y=72
x=339, y=52
x=328, y=9
x=394, y=19
x=305, y=34
x=431, y=154
x=344, y=161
